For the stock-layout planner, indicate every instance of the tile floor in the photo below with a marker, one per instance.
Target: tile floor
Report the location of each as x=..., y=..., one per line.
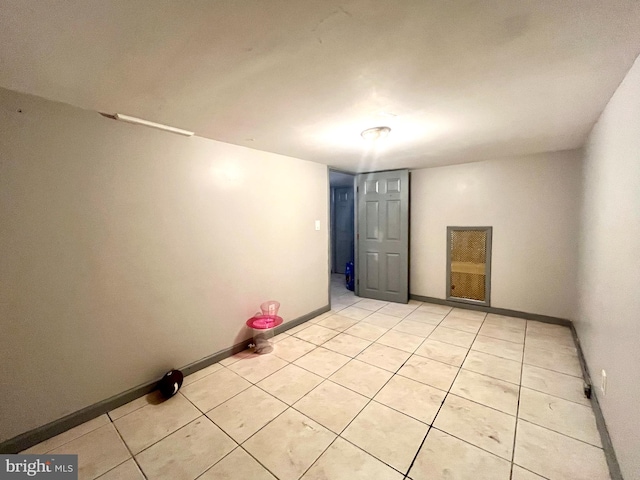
x=370, y=390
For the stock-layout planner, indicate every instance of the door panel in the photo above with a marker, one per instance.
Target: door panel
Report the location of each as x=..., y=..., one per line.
x=373, y=220
x=383, y=235
x=394, y=272
x=372, y=271
x=394, y=220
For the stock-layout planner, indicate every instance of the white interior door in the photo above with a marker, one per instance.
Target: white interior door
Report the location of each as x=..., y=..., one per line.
x=382, y=270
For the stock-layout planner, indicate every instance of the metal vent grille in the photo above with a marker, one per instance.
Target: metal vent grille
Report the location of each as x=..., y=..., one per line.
x=468, y=267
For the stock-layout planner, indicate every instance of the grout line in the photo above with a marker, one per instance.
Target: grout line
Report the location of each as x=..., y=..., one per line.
x=515, y=431
x=209, y=468
x=560, y=433
x=556, y=396
x=370, y=399
x=130, y=453
x=406, y=475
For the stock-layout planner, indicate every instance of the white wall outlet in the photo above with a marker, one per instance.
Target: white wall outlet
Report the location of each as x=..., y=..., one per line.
x=317, y=224
x=603, y=383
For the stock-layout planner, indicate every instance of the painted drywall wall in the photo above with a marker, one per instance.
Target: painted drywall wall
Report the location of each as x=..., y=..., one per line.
x=127, y=251
x=608, y=323
x=531, y=202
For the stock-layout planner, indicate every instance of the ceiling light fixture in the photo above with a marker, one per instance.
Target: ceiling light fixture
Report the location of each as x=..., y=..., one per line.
x=147, y=123
x=375, y=133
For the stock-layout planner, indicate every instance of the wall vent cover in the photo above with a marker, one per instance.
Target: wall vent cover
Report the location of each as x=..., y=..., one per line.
x=469, y=264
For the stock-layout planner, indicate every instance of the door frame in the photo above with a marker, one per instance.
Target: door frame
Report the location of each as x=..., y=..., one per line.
x=330, y=231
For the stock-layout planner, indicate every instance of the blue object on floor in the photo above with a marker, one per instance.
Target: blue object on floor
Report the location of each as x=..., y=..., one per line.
x=349, y=275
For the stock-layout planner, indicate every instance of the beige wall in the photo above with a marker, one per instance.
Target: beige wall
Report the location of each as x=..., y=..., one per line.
x=608, y=323
x=127, y=251
x=532, y=204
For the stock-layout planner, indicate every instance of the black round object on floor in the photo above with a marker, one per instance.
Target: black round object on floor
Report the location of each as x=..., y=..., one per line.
x=171, y=383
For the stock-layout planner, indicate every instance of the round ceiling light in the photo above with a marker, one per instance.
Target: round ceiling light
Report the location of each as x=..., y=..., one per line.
x=375, y=133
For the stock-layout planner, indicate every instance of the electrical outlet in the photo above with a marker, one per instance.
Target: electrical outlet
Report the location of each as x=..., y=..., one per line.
x=603, y=383
x=317, y=224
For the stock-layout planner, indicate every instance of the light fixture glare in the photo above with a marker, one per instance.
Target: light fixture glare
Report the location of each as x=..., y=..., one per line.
x=375, y=133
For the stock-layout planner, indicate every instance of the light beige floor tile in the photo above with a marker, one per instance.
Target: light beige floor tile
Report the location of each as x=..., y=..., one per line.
x=400, y=340
x=412, y=398
x=382, y=320
x=347, y=344
x=442, y=352
x=435, y=308
x=343, y=461
x=290, y=384
x=299, y=328
x=214, y=389
x=225, y=362
x=417, y=303
x=238, y=465
x=488, y=391
x=152, y=398
x=98, y=451
x=454, y=337
x=69, y=435
x=554, y=383
x=512, y=323
x=466, y=313
x=338, y=322
x=292, y=348
x=443, y=457
x=246, y=413
x=563, y=337
x=496, y=367
x=355, y=313
x=481, y=426
x=430, y=372
x=415, y=328
x=390, y=436
x=499, y=348
x=557, y=456
x=398, y=309
x=520, y=473
x=469, y=325
x=289, y=445
x=281, y=336
x=423, y=316
x=316, y=334
x=125, y=471
x=339, y=306
x=550, y=342
x=187, y=453
x=548, y=329
x=254, y=369
x=371, y=304
x=201, y=374
x=322, y=362
x=384, y=357
x=558, y=362
x=151, y=423
x=322, y=316
x=514, y=335
x=557, y=414
x=366, y=331
x=332, y=405
x=361, y=377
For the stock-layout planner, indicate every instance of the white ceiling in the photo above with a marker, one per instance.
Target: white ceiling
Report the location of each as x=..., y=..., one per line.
x=457, y=81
